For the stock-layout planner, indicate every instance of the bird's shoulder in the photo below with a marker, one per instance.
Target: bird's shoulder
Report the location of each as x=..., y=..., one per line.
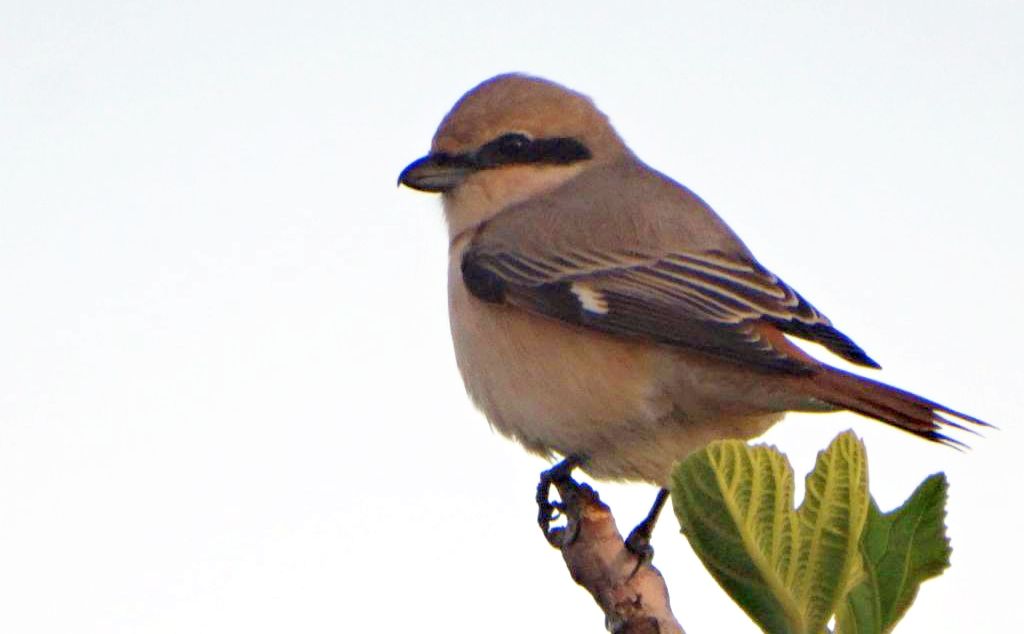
x=612, y=205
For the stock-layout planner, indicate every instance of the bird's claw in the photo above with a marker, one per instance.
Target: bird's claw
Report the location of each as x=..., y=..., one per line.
x=639, y=540
x=549, y=510
x=639, y=544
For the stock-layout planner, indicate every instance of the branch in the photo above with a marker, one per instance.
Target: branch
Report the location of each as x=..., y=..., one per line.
x=631, y=592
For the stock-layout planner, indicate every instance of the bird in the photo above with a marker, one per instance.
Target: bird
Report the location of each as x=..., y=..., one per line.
x=602, y=312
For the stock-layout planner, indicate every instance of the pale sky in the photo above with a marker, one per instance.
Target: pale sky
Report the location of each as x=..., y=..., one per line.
x=228, y=400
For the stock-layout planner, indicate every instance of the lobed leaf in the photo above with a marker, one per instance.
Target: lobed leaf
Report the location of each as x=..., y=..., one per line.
x=788, y=569
x=901, y=549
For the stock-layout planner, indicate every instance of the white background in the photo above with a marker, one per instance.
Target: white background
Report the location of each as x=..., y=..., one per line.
x=227, y=397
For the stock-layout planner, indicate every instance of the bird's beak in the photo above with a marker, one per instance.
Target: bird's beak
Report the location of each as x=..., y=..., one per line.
x=438, y=173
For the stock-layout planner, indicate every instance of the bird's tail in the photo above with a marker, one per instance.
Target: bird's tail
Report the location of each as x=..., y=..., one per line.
x=892, y=406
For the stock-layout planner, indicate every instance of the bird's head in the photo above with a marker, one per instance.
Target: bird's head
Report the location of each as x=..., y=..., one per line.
x=511, y=138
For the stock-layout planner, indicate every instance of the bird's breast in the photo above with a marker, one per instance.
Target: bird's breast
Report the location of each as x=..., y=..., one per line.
x=552, y=386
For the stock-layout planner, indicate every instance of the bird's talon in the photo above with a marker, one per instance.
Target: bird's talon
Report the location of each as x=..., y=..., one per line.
x=639, y=544
x=549, y=510
x=639, y=540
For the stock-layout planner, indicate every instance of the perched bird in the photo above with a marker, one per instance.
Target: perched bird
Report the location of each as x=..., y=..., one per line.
x=604, y=312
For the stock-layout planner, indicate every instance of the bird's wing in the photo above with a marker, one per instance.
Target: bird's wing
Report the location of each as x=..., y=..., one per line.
x=723, y=304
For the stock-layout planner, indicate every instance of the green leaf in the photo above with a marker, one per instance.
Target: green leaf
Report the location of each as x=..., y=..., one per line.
x=735, y=504
x=789, y=570
x=832, y=516
x=901, y=549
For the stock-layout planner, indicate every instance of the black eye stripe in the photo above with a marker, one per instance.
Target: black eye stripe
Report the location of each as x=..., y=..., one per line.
x=518, y=149
x=562, y=150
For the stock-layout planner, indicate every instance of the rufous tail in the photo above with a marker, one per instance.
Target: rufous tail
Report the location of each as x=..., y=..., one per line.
x=896, y=407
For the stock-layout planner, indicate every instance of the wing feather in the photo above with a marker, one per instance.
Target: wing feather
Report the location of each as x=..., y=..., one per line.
x=707, y=301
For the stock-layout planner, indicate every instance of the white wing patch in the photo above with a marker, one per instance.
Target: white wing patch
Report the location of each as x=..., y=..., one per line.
x=591, y=300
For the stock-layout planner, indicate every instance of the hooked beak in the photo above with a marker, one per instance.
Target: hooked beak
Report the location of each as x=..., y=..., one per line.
x=437, y=173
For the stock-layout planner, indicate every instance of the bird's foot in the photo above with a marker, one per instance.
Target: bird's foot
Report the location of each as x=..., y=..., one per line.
x=639, y=540
x=549, y=510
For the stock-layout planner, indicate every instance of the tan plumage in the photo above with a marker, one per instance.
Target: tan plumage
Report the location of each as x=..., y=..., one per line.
x=601, y=310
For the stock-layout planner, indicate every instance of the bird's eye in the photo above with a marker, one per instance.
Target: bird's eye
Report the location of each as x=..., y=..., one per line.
x=516, y=148
x=513, y=146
